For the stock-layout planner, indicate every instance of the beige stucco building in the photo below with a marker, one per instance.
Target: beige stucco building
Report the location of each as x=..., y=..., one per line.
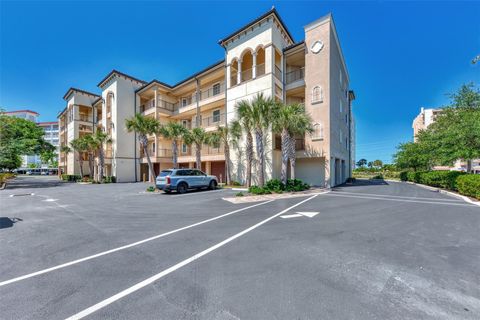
x=260, y=57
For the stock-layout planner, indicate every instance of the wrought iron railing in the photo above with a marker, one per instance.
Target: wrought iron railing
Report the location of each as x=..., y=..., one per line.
x=295, y=75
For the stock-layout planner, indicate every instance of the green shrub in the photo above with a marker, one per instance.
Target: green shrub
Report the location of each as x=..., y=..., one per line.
x=441, y=179
x=404, y=175
x=239, y=194
x=296, y=185
x=376, y=177
x=275, y=185
x=469, y=185
x=236, y=183
x=4, y=176
x=151, y=189
x=109, y=179
x=71, y=177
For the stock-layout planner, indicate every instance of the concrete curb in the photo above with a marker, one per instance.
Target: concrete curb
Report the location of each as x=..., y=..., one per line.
x=450, y=193
x=274, y=196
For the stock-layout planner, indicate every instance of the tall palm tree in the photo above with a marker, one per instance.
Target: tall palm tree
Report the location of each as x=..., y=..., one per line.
x=173, y=131
x=143, y=126
x=66, y=150
x=100, y=139
x=198, y=137
x=91, y=148
x=227, y=136
x=80, y=146
x=288, y=121
x=301, y=124
x=246, y=124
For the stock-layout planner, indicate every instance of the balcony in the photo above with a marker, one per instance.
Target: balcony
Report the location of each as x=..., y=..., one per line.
x=278, y=73
x=299, y=143
x=212, y=121
x=84, y=128
x=295, y=75
x=84, y=117
x=211, y=151
x=215, y=90
x=161, y=105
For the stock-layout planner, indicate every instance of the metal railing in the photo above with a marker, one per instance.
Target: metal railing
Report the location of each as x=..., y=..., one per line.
x=160, y=104
x=233, y=79
x=209, y=150
x=83, y=127
x=299, y=143
x=260, y=70
x=278, y=73
x=212, y=121
x=162, y=153
x=212, y=91
x=247, y=74
x=295, y=75
x=84, y=117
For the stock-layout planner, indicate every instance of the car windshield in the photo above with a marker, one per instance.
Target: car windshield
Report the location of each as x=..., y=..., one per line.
x=165, y=173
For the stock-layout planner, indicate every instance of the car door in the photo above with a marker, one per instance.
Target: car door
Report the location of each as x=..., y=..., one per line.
x=201, y=178
x=190, y=177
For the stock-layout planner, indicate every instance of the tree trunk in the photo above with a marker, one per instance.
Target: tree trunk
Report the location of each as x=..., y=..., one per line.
x=261, y=156
x=90, y=165
x=144, y=143
x=101, y=165
x=228, y=176
x=198, y=156
x=249, y=156
x=292, y=156
x=285, y=154
x=174, y=153
x=80, y=163
x=469, y=166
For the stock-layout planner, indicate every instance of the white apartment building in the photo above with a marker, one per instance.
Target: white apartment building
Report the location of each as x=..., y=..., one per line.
x=260, y=57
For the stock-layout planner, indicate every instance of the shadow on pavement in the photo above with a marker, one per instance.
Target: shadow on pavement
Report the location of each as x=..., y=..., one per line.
x=363, y=183
x=6, y=222
x=34, y=182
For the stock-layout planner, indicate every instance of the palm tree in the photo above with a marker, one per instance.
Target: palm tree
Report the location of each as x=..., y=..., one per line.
x=282, y=124
x=90, y=149
x=66, y=150
x=301, y=124
x=259, y=110
x=198, y=137
x=173, y=131
x=226, y=135
x=100, y=139
x=143, y=126
x=245, y=123
x=80, y=146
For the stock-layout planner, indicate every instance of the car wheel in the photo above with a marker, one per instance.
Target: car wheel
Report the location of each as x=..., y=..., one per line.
x=212, y=185
x=182, y=187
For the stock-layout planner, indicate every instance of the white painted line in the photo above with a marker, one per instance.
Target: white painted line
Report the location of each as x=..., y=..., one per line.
x=50, y=200
x=300, y=214
x=392, y=196
x=175, y=267
x=67, y=264
x=288, y=216
x=402, y=200
x=204, y=193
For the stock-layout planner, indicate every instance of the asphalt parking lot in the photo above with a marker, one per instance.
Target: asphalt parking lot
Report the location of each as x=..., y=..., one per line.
x=368, y=251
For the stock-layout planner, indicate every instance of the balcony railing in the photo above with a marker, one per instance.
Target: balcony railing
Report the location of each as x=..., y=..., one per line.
x=247, y=74
x=295, y=75
x=278, y=73
x=260, y=69
x=212, y=121
x=213, y=91
x=84, y=117
x=299, y=143
x=209, y=150
x=85, y=128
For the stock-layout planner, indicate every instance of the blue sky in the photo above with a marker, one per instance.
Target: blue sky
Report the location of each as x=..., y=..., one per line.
x=400, y=55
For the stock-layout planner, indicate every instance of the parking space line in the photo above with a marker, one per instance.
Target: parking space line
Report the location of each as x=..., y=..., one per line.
x=100, y=254
x=402, y=200
x=177, y=266
x=196, y=193
x=392, y=196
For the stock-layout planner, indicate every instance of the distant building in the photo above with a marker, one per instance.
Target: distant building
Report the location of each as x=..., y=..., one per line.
x=421, y=122
x=51, y=134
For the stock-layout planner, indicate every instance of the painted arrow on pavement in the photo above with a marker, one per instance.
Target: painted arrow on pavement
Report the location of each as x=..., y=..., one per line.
x=300, y=214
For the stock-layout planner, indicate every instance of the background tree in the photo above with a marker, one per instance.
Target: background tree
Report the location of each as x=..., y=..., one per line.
x=361, y=163
x=301, y=124
x=143, y=126
x=173, y=131
x=411, y=155
x=226, y=136
x=19, y=137
x=197, y=137
x=378, y=163
x=48, y=157
x=91, y=148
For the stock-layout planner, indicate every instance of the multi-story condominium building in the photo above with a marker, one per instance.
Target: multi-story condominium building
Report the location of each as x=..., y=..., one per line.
x=260, y=57
x=51, y=134
x=425, y=118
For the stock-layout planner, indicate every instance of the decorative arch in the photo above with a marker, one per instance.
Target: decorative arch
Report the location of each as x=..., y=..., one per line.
x=260, y=60
x=233, y=72
x=317, y=94
x=318, y=131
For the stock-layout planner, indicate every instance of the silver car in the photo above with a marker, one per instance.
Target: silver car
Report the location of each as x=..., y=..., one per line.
x=183, y=179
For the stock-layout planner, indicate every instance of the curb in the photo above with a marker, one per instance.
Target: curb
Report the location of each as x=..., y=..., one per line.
x=450, y=193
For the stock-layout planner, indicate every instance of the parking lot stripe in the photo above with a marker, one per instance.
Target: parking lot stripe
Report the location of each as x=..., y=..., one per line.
x=177, y=266
x=392, y=196
x=402, y=200
x=67, y=264
x=196, y=193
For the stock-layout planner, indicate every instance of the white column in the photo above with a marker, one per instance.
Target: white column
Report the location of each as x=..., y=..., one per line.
x=239, y=72
x=229, y=73
x=254, y=68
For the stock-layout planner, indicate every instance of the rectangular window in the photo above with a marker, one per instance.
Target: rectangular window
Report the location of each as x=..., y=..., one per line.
x=184, y=148
x=184, y=102
x=153, y=147
x=216, y=116
x=216, y=89
x=185, y=123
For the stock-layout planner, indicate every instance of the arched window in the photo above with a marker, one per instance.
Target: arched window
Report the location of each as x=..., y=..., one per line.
x=260, y=61
x=317, y=94
x=233, y=72
x=247, y=65
x=317, y=131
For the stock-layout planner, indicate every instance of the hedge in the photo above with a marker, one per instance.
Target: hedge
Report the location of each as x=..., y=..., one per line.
x=466, y=184
x=469, y=185
x=277, y=186
x=71, y=177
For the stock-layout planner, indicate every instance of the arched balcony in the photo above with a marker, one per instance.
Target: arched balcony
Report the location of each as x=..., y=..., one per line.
x=250, y=66
x=247, y=66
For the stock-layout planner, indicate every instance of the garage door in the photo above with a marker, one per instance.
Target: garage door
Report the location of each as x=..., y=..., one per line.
x=218, y=169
